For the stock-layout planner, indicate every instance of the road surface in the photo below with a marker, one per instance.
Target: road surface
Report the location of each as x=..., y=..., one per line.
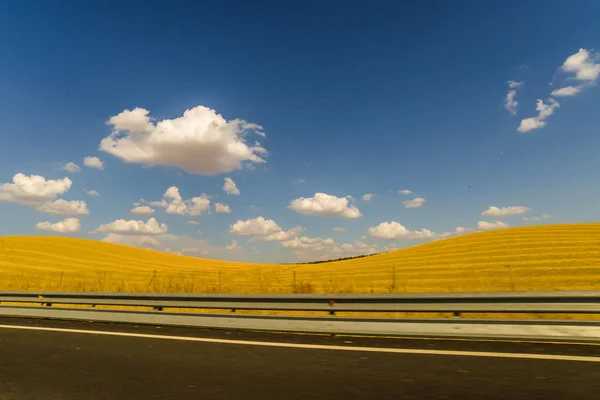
x=59, y=362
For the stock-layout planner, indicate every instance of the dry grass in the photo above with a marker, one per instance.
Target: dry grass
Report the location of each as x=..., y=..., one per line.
x=550, y=257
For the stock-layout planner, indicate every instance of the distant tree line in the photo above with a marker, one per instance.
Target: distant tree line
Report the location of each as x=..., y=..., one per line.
x=332, y=260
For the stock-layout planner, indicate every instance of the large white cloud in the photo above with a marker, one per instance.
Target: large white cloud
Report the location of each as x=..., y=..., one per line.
x=173, y=203
x=544, y=111
x=584, y=65
x=394, y=230
x=68, y=225
x=493, y=211
x=33, y=190
x=63, y=207
x=142, y=210
x=229, y=187
x=414, y=203
x=131, y=227
x=199, y=142
x=509, y=101
x=93, y=162
x=325, y=205
x=485, y=225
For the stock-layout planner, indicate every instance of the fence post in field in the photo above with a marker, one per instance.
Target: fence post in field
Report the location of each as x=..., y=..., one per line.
x=393, y=277
x=61, y=279
x=152, y=279
x=512, y=281
x=219, y=281
x=294, y=279
x=104, y=281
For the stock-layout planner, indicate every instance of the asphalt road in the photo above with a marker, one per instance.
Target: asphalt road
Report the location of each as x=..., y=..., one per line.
x=53, y=365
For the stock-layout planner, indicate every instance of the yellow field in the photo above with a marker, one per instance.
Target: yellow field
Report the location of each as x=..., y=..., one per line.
x=550, y=257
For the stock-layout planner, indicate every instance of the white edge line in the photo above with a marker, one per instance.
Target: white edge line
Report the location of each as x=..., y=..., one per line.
x=319, y=346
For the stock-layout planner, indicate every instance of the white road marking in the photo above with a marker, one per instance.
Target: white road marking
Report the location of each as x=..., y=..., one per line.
x=319, y=346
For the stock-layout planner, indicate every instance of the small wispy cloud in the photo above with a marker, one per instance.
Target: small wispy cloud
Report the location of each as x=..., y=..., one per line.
x=509, y=100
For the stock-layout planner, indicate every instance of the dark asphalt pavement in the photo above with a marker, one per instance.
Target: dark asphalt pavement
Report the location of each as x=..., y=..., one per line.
x=49, y=365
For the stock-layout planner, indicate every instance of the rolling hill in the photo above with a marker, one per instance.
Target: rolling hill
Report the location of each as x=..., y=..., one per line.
x=547, y=257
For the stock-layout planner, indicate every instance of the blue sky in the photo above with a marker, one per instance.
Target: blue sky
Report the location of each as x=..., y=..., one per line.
x=354, y=97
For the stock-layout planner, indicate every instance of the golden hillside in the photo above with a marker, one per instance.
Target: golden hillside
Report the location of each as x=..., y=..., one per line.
x=548, y=257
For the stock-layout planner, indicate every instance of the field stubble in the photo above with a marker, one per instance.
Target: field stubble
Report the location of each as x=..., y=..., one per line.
x=536, y=258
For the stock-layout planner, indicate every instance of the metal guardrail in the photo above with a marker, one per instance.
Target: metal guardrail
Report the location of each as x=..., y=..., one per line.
x=454, y=303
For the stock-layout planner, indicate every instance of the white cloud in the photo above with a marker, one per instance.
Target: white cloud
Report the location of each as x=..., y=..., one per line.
x=92, y=193
x=229, y=187
x=137, y=241
x=142, y=210
x=405, y=191
x=263, y=230
x=541, y=217
x=135, y=121
x=192, y=222
x=414, y=203
x=583, y=64
x=395, y=230
x=93, y=162
x=493, y=211
x=529, y=124
x=279, y=236
x=70, y=167
x=509, y=101
x=131, y=227
x=566, y=91
x=484, y=225
x=199, y=142
x=254, y=227
x=325, y=205
x=33, y=190
x=297, y=181
x=514, y=84
x=222, y=208
x=367, y=197
x=357, y=247
x=233, y=245
x=460, y=230
x=544, y=111
x=336, y=229
x=173, y=203
x=63, y=207
x=187, y=250
x=304, y=242
x=68, y=225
